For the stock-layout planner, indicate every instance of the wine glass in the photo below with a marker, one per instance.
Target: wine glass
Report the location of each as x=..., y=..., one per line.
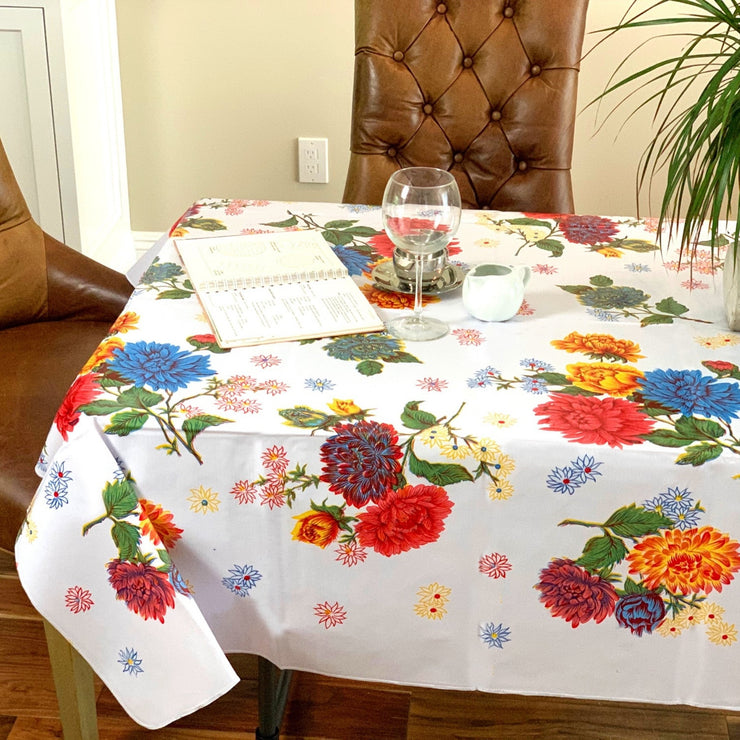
x=421, y=213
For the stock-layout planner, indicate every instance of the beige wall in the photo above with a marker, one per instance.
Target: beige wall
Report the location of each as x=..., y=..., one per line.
x=215, y=95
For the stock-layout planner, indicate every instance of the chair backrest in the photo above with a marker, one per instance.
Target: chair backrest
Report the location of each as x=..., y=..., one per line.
x=42, y=279
x=23, y=285
x=484, y=88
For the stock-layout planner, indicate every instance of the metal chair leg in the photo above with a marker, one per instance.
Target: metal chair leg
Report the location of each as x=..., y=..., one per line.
x=272, y=694
x=75, y=687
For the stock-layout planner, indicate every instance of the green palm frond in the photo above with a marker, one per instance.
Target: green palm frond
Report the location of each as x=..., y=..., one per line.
x=695, y=96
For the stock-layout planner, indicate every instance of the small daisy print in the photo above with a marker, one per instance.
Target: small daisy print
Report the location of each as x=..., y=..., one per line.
x=78, y=599
x=203, y=500
x=130, y=660
x=330, y=615
x=494, y=635
x=494, y=565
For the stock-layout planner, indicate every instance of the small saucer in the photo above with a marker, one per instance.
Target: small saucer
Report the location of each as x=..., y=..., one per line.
x=385, y=278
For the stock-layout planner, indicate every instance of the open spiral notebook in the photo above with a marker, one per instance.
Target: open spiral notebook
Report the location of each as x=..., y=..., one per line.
x=275, y=287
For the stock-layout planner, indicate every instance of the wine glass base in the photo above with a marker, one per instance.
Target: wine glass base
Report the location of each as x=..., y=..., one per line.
x=417, y=328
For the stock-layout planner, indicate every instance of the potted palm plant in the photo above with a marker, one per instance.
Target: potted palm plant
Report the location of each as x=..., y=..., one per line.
x=695, y=95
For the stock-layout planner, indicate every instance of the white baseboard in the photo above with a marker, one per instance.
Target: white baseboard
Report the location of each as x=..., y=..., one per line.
x=143, y=240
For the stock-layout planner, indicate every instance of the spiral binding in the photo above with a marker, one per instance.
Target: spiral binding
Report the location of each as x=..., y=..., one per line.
x=267, y=281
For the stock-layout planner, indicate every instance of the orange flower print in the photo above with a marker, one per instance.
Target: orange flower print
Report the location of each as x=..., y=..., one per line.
x=688, y=562
x=609, y=252
x=605, y=377
x=125, y=322
x=158, y=525
x=316, y=528
x=599, y=346
x=103, y=352
x=386, y=299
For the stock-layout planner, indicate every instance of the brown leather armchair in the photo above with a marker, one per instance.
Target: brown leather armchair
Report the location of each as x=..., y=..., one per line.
x=55, y=307
x=486, y=90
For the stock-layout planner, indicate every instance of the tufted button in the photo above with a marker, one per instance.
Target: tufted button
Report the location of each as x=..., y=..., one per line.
x=467, y=62
x=398, y=55
x=458, y=157
x=441, y=8
x=485, y=207
x=535, y=70
x=391, y=151
x=428, y=108
x=522, y=166
x=508, y=12
x=496, y=115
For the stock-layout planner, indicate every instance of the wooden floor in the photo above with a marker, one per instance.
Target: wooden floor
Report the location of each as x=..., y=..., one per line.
x=327, y=708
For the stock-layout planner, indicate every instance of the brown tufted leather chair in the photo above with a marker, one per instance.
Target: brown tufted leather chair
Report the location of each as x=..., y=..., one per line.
x=55, y=307
x=483, y=88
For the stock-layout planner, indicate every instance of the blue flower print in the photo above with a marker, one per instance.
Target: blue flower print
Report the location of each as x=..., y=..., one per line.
x=483, y=377
x=601, y=315
x=564, y=480
x=55, y=494
x=355, y=262
x=243, y=578
x=536, y=365
x=319, y=384
x=130, y=660
x=586, y=468
x=60, y=475
x=656, y=504
x=534, y=385
x=580, y=471
x=676, y=498
x=637, y=267
x=686, y=518
x=359, y=208
x=692, y=393
x=677, y=504
x=161, y=367
x=494, y=635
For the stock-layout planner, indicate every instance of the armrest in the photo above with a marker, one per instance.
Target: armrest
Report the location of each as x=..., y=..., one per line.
x=80, y=287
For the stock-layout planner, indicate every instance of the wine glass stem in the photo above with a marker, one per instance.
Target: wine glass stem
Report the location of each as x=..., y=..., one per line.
x=417, y=287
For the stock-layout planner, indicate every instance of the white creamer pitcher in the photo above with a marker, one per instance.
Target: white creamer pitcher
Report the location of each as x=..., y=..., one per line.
x=493, y=292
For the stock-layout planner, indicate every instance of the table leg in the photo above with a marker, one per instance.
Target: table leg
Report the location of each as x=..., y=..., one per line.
x=73, y=679
x=272, y=693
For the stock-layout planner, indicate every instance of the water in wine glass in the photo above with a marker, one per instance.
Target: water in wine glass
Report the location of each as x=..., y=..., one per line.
x=418, y=235
x=421, y=212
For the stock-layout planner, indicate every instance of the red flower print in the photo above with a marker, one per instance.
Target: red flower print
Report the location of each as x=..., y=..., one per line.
x=361, y=461
x=592, y=420
x=146, y=590
x=405, y=519
x=350, y=553
x=494, y=565
x=203, y=338
x=78, y=599
x=84, y=389
x=587, y=229
x=275, y=458
x=574, y=594
x=330, y=614
x=244, y=492
x=721, y=368
x=158, y=525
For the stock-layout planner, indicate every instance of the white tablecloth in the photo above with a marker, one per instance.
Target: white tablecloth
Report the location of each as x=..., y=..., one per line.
x=547, y=505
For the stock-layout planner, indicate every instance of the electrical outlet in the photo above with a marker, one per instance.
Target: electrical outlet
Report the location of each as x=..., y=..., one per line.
x=313, y=160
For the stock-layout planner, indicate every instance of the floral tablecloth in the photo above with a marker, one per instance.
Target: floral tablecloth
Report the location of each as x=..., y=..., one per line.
x=548, y=505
